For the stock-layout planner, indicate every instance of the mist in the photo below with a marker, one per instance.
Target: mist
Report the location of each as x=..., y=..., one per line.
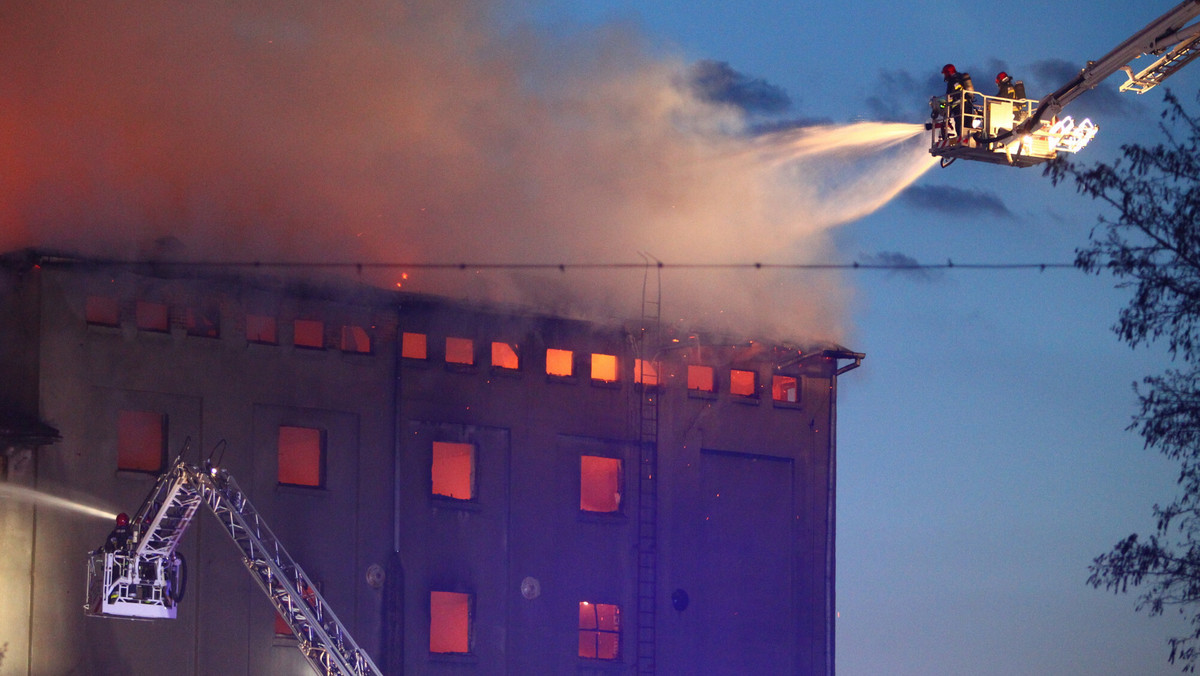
x=421, y=132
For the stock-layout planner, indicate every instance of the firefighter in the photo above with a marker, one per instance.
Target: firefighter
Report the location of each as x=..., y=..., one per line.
x=959, y=91
x=956, y=82
x=119, y=535
x=1007, y=88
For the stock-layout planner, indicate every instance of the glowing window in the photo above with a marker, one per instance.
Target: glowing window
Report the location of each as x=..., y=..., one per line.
x=301, y=456
x=453, y=471
x=604, y=368
x=560, y=362
x=700, y=378
x=599, y=484
x=203, y=321
x=281, y=626
x=645, y=372
x=460, y=351
x=355, y=339
x=449, y=622
x=102, y=311
x=784, y=388
x=504, y=356
x=152, y=316
x=412, y=346
x=141, y=441
x=599, y=630
x=742, y=383
x=308, y=333
x=261, y=329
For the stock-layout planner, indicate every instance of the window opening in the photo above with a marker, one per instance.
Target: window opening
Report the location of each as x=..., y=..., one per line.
x=141, y=441
x=560, y=362
x=152, y=316
x=599, y=630
x=301, y=456
x=453, y=472
x=505, y=356
x=460, y=351
x=203, y=321
x=700, y=378
x=449, y=622
x=261, y=329
x=646, y=372
x=785, y=388
x=308, y=333
x=742, y=383
x=604, y=368
x=355, y=339
x=102, y=311
x=599, y=484
x=412, y=346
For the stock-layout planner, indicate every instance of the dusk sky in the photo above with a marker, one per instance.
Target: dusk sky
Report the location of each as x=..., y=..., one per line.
x=983, y=457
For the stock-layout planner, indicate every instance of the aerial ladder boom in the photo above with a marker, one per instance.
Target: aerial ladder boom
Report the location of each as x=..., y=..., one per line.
x=143, y=577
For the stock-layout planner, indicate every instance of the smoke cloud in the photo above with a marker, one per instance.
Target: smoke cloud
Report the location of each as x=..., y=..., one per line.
x=420, y=132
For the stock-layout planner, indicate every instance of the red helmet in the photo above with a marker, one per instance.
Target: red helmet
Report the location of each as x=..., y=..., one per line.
x=122, y=519
x=948, y=70
x=1001, y=76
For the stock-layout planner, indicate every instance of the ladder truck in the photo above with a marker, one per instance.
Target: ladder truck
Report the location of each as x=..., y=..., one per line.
x=1023, y=132
x=144, y=576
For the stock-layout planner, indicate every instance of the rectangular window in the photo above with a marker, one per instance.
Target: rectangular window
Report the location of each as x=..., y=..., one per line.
x=604, y=368
x=700, y=378
x=505, y=356
x=152, y=316
x=560, y=362
x=412, y=346
x=645, y=372
x=355, y=339
x=203, y=321
x=261, y=329
x=599, y=484
x=742, y=383
x=102, y=311
x=301, y=456
x=784, y=388
x=308, y=333
x=599, y=630
x=453, y=470
x=449, y=622
x=460, y=351
x=141, y=441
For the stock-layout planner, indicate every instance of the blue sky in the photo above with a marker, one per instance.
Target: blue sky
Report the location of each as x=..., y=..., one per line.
x=983, y=454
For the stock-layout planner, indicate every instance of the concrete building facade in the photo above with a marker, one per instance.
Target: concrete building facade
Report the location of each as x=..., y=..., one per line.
x=475, y=489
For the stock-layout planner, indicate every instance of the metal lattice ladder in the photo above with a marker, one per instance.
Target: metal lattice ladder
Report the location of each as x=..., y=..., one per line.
x=647, y=549
x=1180, y=56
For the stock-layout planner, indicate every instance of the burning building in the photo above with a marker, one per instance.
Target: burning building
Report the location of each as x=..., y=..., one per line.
x=474, y=488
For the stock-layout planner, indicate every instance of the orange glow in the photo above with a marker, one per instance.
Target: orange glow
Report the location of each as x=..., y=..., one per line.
x=460, y=351
x=742, y=383
x=604, y=368
x=560, y=362
x=261, y=329
x=140, y=440
x=453, y=471
x=599, y=484
x=355, y=339
x=599, y=630
x=645, y=372
x=152, y=316
x=300, y=450
x=700, y=378
x=204, y=322
x=412, y=346
x=102, y=310
x=504, y=356
x=449, y=622
x=784, y=388
x=309, y=333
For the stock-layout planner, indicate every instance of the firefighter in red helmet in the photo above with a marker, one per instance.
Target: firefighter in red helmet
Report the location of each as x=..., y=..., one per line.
x=959, y=91
x=119, y=535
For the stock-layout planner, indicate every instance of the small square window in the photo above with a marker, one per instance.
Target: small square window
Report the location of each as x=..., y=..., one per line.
x=604, y=368
x=742, y=383
x=152, y=316
x=599, y=630
x=449, y=622
x=203, y=321
x=453, y=472
x=560, y=362
x=700, y=378
x=261, y=329
x=599, y=484
x=141, y=441
x=301, y=456
x=460, y=351
x=102, y=311
x=308, y=333
x=356, y=339
x=645, y=372
x=505, y=356
x=785, y=389
x=412, y=346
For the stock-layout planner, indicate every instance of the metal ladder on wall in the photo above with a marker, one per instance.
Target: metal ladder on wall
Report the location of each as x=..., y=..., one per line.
x=647, y=550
